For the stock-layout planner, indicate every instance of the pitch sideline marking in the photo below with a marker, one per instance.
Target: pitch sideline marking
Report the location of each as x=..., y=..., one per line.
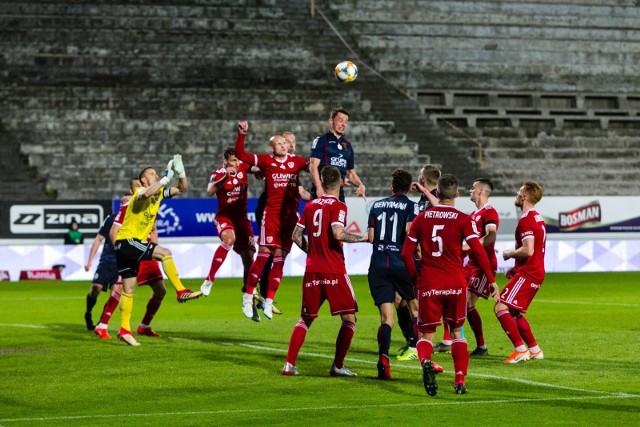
x=415, y=367
x=368, y=362
x=315, y=408
x=607, y=395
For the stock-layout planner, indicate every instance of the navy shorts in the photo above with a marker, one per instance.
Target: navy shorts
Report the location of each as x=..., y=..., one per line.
x=106, y=274
x=129, y=253
x=384, y=283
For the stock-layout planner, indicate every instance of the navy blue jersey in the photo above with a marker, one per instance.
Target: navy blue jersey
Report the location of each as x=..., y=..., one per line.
x=332, y=151
x=389, y=218
x=108, y=254
x=424, y=203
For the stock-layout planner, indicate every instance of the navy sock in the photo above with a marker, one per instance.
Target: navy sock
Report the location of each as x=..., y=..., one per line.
x=384, y=339
x=406, y=325
x=91, y=302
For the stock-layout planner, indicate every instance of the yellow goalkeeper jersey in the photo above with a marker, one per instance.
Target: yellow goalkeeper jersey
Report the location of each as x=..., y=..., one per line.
x=140, y=215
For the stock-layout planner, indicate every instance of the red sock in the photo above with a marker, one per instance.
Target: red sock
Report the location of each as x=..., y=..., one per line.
x=218, y=258
x=256, y=270
x=275, y=276
x=446, y=336
x=460, y=359
x=525, y=331
x=425, y=349
x=109, y=307
x=475, y=321
x=298, y=335
x=508, y=323
x=152, y=308
x=343, y=342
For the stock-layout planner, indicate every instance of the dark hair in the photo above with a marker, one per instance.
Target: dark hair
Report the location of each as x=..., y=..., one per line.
x=401, y=181
x=228, y=152
x=448, y=187
x=142, y=172
x=335, y=111
x=487, y=183
x=330, y=176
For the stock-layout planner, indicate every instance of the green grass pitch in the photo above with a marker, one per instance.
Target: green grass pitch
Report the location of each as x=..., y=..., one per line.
x=212, y=366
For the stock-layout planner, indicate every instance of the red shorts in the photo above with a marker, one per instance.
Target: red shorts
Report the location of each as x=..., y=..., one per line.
x=334, y=287
x=519, y=293
x=276, y=231
x=449, y=304
x=242, y=230
x=148, y=272
x=477, y=282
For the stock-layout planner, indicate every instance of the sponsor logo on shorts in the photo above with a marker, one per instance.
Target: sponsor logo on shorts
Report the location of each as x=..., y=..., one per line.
x=326, y=282
x=440, y=292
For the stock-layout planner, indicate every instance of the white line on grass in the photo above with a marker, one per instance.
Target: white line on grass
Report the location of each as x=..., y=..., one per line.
x=44, y=298
x=606, y=395
x=417, y=367
x=21, y=325
x=317, y=408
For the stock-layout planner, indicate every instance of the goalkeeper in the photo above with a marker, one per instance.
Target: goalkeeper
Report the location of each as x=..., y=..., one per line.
x=131, y=244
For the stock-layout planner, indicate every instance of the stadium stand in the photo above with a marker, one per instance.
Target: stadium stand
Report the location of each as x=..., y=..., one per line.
x=96, y=91
x=506, y=89
x=524, y=84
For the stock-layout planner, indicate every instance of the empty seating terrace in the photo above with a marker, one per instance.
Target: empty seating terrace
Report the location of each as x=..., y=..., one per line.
x=187, y=44
x=506, y=45
x=29, y=103
x=94, y=158
x=532, y=111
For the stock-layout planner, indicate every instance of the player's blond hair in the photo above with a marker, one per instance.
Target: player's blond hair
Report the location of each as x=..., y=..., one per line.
x=533, y=190
x=431, y=173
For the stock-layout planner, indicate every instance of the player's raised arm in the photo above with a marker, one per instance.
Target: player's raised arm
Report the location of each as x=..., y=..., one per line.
x=179, y=171
x=243, y=128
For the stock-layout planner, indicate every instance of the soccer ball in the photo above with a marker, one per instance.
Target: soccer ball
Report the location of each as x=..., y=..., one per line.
x=346, y=71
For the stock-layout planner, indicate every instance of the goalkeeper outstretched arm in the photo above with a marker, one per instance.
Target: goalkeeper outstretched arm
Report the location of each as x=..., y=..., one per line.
x=153, y=187
x=179, y=171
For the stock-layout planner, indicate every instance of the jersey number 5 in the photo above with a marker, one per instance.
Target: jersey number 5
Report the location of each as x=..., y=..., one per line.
x=437, y=240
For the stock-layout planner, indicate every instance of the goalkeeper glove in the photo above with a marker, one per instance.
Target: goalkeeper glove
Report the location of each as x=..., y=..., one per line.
x=178, y=167
x=168, y=174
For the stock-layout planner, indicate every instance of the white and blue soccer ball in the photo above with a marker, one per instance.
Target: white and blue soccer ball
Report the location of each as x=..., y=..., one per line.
x=346, y=71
